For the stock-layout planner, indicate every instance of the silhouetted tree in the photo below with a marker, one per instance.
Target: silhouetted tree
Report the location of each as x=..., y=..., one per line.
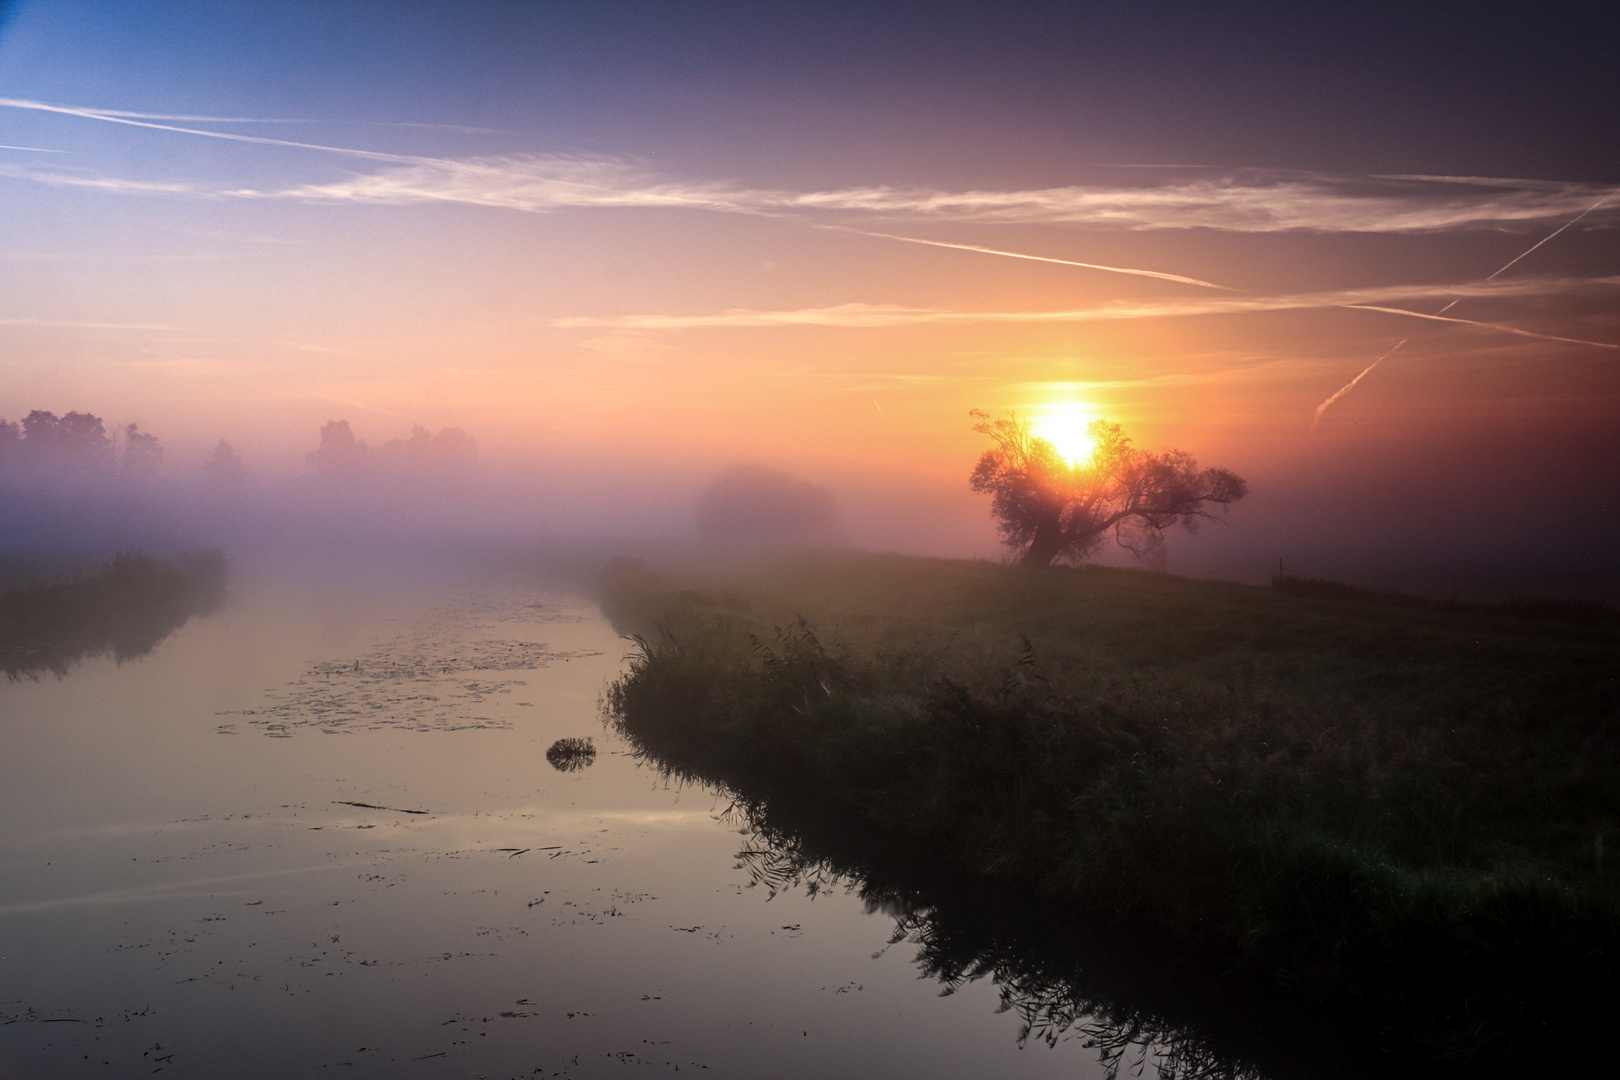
x=752, y=504
x=143, y=453
x=452, y=450
x=10, y=443
x=340, y=451
x=224, y=465
x=76, y=441
x=1049, y=508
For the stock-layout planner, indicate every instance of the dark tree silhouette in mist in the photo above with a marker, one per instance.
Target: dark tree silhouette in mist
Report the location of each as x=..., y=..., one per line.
x=224, y=465
x=1050, y=509
x=143, y=453
x=10, y=443
x=450, y=452
x=752, y=504
x=340, y=451
x=75, y=441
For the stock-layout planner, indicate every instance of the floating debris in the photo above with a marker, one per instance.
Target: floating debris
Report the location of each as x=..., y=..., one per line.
x=374, y=806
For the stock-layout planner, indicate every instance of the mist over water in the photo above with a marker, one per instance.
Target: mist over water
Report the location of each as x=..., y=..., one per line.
x=1403, y=515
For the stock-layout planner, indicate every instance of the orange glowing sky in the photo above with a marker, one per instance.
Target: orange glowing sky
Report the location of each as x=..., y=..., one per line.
x=649, y=246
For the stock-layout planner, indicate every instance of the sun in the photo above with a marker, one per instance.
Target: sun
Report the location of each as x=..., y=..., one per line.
x=1066, y=429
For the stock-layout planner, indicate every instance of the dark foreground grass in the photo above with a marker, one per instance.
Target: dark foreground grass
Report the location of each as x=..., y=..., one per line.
x=1395, y=808
x=124, y=609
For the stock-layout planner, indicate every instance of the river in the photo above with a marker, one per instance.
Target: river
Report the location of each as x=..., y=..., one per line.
x=316, y=833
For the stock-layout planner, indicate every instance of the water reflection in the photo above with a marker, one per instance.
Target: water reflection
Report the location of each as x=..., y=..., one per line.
x=125, y=610
x=1135, y=1004
x=571, y=754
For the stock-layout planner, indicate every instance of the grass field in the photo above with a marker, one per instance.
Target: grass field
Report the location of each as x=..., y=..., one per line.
x=1391, y=805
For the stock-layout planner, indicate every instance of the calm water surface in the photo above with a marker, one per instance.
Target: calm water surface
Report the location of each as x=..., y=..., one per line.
x=187, y=888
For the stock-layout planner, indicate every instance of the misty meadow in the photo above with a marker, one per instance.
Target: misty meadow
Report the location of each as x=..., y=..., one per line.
x=834, y=539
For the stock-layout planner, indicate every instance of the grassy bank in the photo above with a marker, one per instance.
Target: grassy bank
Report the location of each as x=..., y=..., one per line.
x=1392, y=806
x=124, y=609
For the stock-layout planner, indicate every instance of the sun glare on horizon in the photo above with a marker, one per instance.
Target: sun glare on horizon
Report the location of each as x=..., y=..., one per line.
x=1066, y=428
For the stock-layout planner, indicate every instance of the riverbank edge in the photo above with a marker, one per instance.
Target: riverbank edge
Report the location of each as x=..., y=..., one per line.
x=1459, y=967
x=123, y=608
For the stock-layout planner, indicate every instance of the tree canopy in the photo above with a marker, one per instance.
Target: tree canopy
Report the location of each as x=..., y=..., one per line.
x=1051, y=509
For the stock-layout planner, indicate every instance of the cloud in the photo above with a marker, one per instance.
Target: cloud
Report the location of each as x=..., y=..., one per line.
x=529, y=184
x=1245, y=201
x=1375, y=299
x=1253, y=202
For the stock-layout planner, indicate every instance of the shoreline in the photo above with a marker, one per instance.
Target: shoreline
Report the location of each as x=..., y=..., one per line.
x=1395, y=842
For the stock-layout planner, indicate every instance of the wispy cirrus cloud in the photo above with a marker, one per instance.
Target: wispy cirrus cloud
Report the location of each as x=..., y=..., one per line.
x=1245, y=200
x=58, y=178
x=1378, y=299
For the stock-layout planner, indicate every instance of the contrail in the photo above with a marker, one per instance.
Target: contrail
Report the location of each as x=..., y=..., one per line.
x=1476, y=322
x=197, y=119
x=119, y=118
x=1345, y=389
x=1033, y=258
x=1543, y=240
x=140, y=120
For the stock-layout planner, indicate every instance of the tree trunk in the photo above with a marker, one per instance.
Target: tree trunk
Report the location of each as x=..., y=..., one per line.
x=1047, y=545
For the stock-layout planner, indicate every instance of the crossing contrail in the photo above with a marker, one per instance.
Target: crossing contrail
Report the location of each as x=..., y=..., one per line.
x=1346, y=388
x=1477, y=322
x=1021, y=255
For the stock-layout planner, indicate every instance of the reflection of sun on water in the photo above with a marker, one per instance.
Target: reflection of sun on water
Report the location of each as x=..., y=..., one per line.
x=1066, y=431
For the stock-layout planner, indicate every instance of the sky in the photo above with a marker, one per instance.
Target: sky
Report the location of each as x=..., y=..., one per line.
x=625, y=245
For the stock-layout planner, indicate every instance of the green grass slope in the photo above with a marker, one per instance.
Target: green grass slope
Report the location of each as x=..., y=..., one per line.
x=1393, y=805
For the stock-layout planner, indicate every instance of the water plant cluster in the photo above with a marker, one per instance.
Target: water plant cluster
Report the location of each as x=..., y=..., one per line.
x=1394, y=809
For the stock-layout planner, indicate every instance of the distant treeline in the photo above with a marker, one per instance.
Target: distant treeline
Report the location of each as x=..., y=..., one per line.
x=125, y=609
x=80, y=445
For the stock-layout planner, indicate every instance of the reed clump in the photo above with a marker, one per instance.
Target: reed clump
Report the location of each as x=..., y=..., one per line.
x=571, y=754
x=1417, y=842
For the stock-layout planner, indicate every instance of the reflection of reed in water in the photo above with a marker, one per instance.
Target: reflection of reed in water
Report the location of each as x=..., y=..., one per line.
x=571, y=754
x=124, y=609
x=964, y=934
